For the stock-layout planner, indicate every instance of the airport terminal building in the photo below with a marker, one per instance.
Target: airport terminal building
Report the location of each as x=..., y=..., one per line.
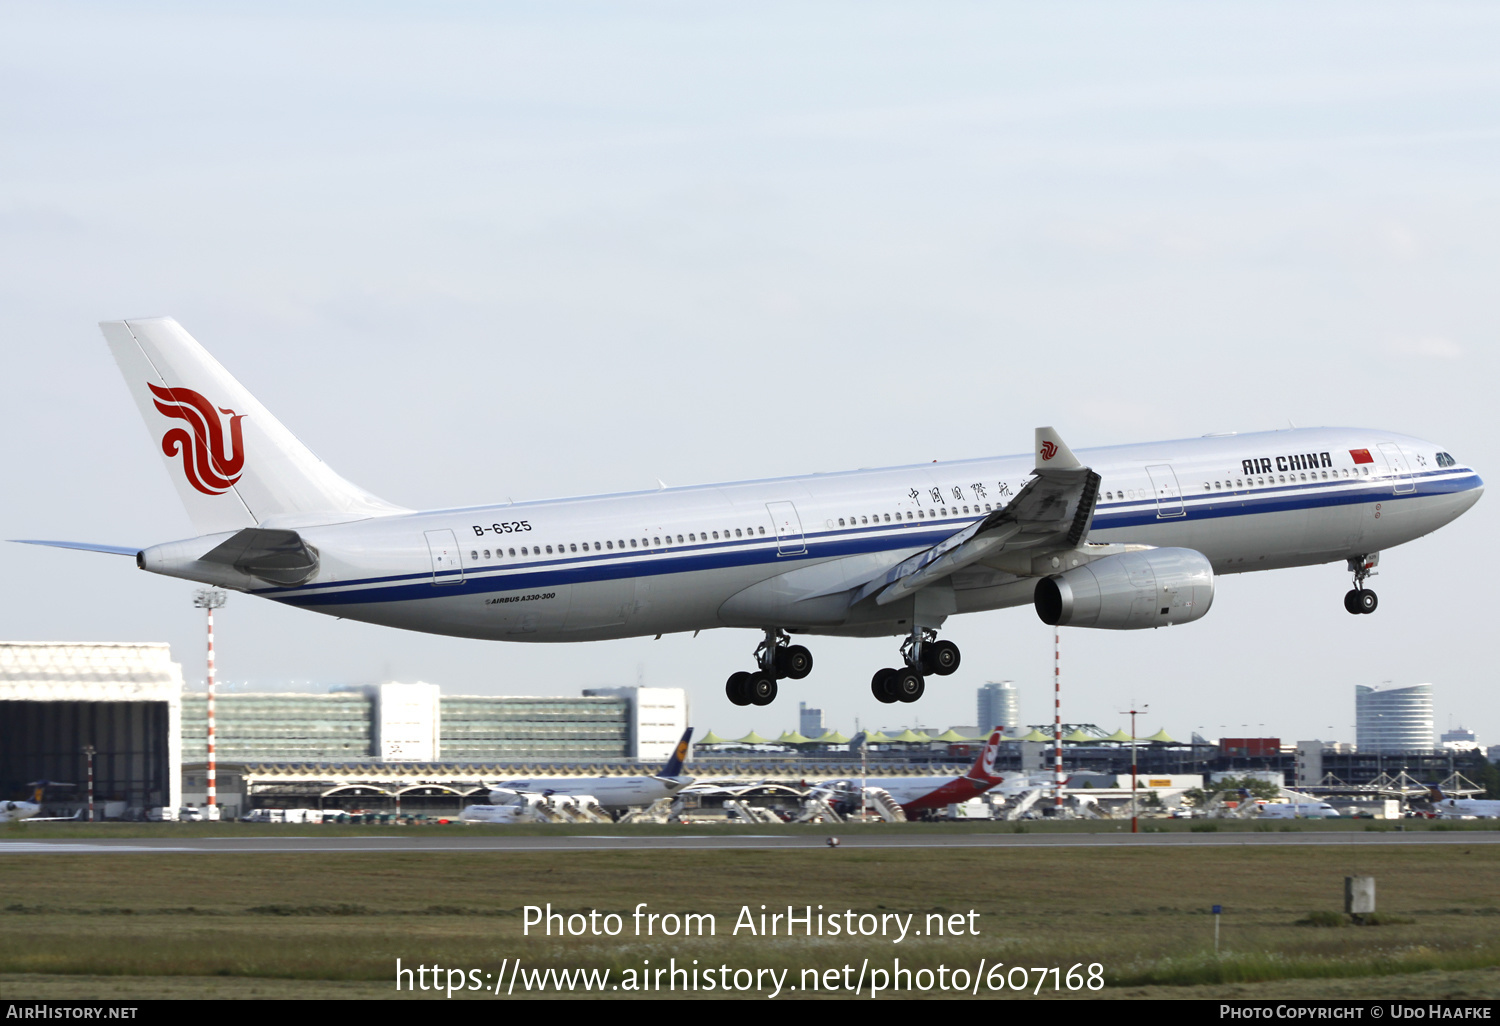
x=126, y=702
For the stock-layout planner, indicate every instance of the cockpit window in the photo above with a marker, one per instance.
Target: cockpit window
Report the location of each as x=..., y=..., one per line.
x=1444, y=460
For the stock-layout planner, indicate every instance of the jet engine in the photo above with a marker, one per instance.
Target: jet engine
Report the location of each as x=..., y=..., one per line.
x=1129, y=591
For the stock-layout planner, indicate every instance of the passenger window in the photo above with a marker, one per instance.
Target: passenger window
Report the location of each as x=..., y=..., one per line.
x=513, y=552
x=841, y=521
x=473, y=555
x=864, y=520
x=761, y=530
x=632, y=543
x=737, y=532
x=609, y=544
x=658, y=542
x=549, y=550
x=679, y=539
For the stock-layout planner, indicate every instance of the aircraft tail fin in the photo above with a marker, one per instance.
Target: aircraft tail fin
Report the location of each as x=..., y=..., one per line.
x=674, y=765
x=984, y=765
x=233, y=463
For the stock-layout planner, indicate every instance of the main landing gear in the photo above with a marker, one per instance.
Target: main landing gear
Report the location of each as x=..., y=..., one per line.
x=1360, y=599
x=776, y=659
x=923, y=655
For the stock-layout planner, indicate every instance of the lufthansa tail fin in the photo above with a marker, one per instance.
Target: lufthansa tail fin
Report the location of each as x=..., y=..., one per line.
x=233, y=463
x=673, y=768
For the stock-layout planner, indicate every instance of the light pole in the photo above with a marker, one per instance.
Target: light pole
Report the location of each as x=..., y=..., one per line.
x=88, y=751
x=209, y=599
x=1057, y=762
x=1134, y=807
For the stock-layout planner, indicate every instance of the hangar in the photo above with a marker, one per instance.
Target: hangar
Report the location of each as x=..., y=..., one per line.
x=123, y=699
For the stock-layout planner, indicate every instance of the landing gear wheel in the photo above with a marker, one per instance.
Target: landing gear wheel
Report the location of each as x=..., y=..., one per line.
x=793, y=662
x=1351, y=601
x=1367, y=601
x=737, y=688
x=882, y=686
x=940, y=657
x=908, y=685
x=762, y=689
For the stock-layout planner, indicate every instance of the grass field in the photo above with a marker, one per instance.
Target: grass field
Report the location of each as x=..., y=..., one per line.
x=285, y=925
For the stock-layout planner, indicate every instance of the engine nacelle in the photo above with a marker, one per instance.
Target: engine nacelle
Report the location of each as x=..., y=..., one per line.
x=1129, y=591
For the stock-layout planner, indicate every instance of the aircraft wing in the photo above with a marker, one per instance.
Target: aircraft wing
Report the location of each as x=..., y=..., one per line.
x=1052, y=512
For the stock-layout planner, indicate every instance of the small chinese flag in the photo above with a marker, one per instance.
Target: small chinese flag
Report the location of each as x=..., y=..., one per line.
x=1361, y=455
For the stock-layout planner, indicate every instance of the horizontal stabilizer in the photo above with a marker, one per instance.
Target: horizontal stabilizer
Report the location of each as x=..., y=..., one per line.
x=113, y=550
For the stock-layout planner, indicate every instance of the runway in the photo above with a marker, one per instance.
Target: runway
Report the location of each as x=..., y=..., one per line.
x=449, y=843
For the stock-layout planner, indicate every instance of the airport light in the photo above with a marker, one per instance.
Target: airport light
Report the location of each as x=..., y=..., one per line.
x=209, y=599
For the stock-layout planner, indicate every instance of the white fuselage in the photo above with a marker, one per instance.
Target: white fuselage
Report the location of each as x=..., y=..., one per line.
x=10, y=812
x=787, y=553
x=609, y=792
x=1298, y=810
x=1480, y=808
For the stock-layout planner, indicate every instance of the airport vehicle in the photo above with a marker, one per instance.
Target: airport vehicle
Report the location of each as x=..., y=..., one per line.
x=1297, y=810
x=1120, y=538
x=609, y=792
x=924, y=794
x=1457, y=808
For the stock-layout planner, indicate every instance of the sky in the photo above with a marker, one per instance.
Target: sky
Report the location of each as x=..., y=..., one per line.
x=474, y=252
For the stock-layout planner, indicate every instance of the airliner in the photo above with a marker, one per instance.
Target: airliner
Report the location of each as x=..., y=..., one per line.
x=609, y=792
x=925, y=794
x=1120, y=538
x=1458, y=808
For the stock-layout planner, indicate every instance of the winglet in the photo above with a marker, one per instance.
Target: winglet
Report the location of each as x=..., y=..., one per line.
x=1052, y=453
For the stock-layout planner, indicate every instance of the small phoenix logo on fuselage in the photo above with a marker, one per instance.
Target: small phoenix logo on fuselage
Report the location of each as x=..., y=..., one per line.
x=211, y=465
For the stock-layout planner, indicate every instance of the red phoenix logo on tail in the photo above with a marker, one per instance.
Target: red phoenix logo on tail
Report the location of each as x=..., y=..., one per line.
x=206, y=459
x=1049, y=449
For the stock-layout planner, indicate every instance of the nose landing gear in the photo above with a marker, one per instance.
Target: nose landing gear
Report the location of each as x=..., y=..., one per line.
x=1360, y=599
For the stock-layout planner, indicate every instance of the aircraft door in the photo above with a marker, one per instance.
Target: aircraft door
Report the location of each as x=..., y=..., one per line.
x=1395, y=462
x=1167, y=491
x=447, y=563
x=789, y=540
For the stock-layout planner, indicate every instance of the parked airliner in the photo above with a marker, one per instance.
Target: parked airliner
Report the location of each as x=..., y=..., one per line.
x=1124, y=537
x=925, y=794
x=1458, y=808
x=609, y=792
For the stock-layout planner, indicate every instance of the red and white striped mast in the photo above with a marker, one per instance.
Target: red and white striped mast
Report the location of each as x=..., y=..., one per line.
x=209, y=599
x=1057, y=770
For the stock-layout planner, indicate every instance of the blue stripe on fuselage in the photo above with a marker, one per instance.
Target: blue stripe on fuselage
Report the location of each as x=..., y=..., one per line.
x=851, y=541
